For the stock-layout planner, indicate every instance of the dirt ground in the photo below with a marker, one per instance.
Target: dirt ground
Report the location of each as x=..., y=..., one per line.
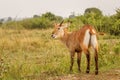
x=109, y=75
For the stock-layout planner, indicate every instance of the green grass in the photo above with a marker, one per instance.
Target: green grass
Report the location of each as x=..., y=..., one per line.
x=33, y=54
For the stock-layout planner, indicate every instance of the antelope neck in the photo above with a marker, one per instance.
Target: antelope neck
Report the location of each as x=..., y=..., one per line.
x=65, y=37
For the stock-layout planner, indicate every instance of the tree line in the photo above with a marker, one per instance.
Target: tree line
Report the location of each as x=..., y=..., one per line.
x=92, y=16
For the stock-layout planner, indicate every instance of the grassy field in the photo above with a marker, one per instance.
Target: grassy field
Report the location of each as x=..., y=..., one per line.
x=34, y=55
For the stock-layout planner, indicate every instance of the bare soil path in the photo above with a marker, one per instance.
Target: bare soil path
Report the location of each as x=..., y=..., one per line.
x=109, y=75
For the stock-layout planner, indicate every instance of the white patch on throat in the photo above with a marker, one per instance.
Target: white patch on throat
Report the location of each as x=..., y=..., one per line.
x=86, y=38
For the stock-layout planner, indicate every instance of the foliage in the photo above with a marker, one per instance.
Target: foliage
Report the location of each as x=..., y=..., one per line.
x=37, y=22
x=28, y=53
x=117, y=49
x=92, y=16
x=3, y=68
x=51, y=16
x=93, y=10
x=33, y=54
x=118, y=14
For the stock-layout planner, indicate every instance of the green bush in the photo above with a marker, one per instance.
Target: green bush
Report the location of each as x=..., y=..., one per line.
x=106, y=24
x=36, y=23
x=32, y=23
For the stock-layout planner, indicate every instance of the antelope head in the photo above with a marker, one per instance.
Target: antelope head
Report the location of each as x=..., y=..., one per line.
x=59, y=30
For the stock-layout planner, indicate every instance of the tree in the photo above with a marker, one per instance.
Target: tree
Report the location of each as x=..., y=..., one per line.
x=93, y=16
x=49, y=16
x=72, y=15
x=118, y=13
x=36, y=16
x=59, y=18
x=115, y=29
x=93, y=11
x=9, y=19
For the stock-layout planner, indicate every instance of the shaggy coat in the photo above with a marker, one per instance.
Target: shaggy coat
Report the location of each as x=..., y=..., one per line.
x=78, y=41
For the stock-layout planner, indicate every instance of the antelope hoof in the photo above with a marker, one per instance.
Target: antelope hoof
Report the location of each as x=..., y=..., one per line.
x=79, y=70
x=96, y=72
x=87, y=71
x=71, y=71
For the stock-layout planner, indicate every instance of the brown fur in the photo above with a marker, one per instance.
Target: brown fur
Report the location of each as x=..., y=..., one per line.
x=74, y=42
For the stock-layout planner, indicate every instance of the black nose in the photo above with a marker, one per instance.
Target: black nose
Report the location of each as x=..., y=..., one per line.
x=52, y=36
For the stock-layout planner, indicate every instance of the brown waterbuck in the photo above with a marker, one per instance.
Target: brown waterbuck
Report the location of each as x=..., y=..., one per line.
x=78, y=41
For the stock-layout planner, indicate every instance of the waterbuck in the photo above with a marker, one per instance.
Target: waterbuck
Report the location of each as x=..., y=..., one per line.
x=78, y=41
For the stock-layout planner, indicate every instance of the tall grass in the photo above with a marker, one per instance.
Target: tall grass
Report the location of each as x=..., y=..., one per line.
x=33, y=54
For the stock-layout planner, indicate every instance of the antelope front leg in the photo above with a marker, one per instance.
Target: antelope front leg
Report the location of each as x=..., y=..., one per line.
x=79, y=60
x=72, y=60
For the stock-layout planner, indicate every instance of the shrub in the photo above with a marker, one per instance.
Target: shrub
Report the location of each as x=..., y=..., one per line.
x=40, y=23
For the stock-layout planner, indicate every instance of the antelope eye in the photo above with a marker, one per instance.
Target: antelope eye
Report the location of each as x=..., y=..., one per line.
x=58, y=28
